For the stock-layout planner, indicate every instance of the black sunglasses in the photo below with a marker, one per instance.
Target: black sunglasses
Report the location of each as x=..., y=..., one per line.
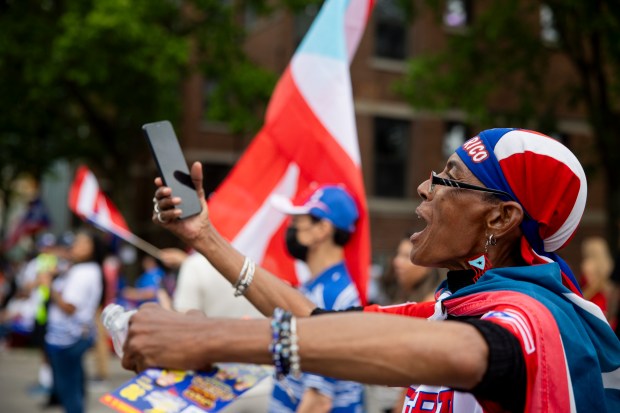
x=437, y=180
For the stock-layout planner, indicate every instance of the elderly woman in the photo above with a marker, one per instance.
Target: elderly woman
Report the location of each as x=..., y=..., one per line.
x=517, y=334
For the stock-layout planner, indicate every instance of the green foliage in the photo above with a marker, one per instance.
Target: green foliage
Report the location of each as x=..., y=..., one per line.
x=238, y=98
x=499, y=59
x=79, y=77
x=500, y=62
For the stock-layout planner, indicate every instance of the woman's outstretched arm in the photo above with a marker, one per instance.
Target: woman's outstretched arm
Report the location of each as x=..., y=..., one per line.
x=371, y=348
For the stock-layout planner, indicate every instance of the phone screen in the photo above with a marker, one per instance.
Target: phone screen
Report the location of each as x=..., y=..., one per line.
x=172, y=165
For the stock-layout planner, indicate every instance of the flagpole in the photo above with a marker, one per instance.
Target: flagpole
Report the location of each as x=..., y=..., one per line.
x=141, y=244
x=131, y=238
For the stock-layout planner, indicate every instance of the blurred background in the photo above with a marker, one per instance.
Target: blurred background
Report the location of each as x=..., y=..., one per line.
x=78, y=79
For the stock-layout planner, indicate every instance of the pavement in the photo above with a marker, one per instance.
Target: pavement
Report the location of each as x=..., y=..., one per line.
x=19, y=369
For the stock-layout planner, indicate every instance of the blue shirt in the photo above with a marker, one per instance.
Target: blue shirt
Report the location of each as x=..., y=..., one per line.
x=331, y=290
x=150, y=279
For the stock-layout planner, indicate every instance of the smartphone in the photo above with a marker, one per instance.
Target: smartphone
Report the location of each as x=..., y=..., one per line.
x=172, y=165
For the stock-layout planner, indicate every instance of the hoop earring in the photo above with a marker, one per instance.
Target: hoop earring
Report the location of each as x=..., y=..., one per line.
x=490, y=242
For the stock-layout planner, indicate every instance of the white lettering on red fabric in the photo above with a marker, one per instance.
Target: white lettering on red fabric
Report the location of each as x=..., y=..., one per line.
x=476, y=150
x=425, y=402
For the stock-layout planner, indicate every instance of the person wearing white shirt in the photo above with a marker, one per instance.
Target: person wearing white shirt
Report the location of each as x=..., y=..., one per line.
x=74, y=299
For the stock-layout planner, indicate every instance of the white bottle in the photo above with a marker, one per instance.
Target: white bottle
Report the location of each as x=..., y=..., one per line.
x=115, y=319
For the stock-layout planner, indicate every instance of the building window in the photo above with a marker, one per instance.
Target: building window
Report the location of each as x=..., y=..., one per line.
x=456, y=134
x=548, y=31
x=457, y=14
x=250, y=17
x=390, y=30
x=391, y=141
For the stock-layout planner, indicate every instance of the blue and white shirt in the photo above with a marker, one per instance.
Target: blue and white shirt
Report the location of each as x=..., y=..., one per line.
x=331, y=290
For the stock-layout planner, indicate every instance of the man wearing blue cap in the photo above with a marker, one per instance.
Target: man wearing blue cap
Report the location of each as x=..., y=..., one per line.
x=318, y=231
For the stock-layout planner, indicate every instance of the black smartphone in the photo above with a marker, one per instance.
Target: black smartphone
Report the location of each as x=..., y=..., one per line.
x=172, y=165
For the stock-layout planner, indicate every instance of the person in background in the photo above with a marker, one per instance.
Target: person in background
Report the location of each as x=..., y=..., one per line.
x=29, y=308
x=148, y=286
x=317, y=233
x=596, y=267
x=74, y=299
x=408, y=282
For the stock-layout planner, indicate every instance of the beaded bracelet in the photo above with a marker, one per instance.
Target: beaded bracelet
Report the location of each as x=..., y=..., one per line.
x=281, y=347
x=295, y=369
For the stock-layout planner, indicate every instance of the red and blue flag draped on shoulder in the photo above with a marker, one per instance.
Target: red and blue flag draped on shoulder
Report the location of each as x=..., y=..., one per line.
x=309, y=138
x=572, y=355
x=506, y=159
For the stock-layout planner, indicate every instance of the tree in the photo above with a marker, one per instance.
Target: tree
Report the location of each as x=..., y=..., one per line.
x=501, y=62
x=79, y=77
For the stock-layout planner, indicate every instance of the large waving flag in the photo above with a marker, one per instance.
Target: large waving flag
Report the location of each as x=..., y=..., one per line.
x=87, y=201
x=309, y=137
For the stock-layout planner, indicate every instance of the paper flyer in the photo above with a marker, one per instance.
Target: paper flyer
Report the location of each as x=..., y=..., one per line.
x=174, y=391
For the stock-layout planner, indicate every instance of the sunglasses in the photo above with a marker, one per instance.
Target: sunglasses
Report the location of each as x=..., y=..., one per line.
x=437, y=180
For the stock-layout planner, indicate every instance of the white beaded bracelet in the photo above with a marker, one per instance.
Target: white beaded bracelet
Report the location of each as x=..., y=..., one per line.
x=295, y=368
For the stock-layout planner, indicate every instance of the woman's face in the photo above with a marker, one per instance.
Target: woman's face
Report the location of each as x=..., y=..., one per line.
x=82, y=248
x=407, y=273
x=455, y=221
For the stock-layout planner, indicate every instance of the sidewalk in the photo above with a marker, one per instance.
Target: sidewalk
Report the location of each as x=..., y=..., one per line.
x=18, y=373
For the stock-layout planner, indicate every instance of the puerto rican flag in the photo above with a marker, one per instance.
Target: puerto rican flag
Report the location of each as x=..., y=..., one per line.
x=34, y=220
x=309, y=138
x=88, y=202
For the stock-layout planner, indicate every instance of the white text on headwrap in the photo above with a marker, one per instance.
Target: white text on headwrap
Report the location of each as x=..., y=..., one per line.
x=476, y=150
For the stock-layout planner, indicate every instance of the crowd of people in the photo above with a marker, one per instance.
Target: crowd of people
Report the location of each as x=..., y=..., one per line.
x=510, y=328
x=54, y=302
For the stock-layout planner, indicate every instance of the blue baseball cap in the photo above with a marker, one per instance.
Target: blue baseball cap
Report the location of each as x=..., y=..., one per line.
x=330, y=202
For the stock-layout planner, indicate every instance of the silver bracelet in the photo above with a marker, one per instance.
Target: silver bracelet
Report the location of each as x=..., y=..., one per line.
x=245, y=277
x=244, y=268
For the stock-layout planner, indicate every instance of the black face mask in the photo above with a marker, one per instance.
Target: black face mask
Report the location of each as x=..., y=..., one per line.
x=293, y=246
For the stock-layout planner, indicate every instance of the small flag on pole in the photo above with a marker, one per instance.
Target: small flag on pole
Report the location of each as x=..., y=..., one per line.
x=88, y=202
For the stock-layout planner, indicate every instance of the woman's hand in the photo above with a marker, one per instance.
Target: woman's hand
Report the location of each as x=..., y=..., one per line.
x=167, y=339
x=166, y=214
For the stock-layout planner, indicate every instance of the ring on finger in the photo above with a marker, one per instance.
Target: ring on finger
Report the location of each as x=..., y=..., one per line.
x=156, y=208
x=159, y=218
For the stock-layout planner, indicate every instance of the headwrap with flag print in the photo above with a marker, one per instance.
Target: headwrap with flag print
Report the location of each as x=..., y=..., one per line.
x=544, y=177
